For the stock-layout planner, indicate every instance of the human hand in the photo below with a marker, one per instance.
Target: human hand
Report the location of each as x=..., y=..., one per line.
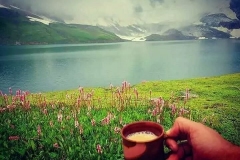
x=200, y=142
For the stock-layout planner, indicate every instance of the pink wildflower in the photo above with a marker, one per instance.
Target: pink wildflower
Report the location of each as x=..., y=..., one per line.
x=27, y=93
x=51, y=123
x=173, y=109
x=11, y=107
x=154, y=112
x=22, y=97
x=17, y=93
x=99, y=148
x=105, y=121
x=124, y=85
x=149, y=111
x=110, y=116
x=78, y=102
x=117, y=129
x=183, y=111
x=53, y=106
x=60, y=117
x=158, y=119
x=39, y=131
x=93, y=122
x=45, y=111
x=13, y=138
x=27, y=105
x=204, y=120
x=129, y=86
x=55, y=145
x=120, y=121
x=68, y=117
x=74, y=115
x=80, y=129
x=76, y=123
x=2, y=109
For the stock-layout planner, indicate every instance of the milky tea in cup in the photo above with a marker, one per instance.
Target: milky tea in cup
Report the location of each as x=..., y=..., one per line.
x=143, y=136
x=143, y=140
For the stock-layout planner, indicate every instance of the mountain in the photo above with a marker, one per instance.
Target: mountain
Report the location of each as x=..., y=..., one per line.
x=210, y=26
x=199, y=31
x=24, y=27
x=220, y=20
x=21, y=27
x=188, y=33
x=225, y=24
x=135, y=32
x=171, y=34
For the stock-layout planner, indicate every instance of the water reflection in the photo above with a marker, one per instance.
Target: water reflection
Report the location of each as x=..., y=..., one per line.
x=59, y=67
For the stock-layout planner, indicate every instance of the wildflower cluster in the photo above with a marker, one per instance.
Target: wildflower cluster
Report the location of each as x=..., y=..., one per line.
x=81, y=123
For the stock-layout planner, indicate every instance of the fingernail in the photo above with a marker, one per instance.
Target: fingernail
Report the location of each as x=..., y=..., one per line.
x=168, y=131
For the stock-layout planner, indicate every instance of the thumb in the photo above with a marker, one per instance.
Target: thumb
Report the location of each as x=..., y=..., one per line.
x=181, y=129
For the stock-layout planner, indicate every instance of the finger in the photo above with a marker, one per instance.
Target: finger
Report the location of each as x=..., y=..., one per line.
x=181, y=128
x=173, y=156
x=171, y=144
x=184, y=150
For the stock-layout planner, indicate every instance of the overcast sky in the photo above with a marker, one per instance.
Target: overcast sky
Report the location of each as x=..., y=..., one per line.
x=124, y=12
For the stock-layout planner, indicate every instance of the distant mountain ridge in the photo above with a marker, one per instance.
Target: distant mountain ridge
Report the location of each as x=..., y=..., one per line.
x=171, y=34
x=210, y=26
x=220, y=20
x=21, y=27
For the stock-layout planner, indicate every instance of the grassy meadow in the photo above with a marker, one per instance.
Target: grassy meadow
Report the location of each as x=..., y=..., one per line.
x=85, y=123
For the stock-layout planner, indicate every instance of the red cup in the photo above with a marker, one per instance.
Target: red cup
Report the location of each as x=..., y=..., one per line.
x=143, y=150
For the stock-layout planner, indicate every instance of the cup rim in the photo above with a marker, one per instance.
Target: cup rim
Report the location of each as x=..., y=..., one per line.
x=137, y=122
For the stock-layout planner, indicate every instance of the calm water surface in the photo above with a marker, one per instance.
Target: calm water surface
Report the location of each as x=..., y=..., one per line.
x=60, y=67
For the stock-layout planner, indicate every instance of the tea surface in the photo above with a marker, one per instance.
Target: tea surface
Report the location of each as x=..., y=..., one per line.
x=142, y=136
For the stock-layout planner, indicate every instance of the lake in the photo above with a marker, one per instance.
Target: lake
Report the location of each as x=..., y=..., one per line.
x=61, y=67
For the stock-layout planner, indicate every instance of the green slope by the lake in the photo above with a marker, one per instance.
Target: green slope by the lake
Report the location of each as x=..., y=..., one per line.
x=18, y=28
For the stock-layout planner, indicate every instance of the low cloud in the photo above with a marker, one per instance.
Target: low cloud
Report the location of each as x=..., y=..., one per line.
x=125, y=12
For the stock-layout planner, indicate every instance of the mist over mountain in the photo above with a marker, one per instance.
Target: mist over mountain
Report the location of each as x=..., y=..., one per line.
x=125, y=12
x=138, y=19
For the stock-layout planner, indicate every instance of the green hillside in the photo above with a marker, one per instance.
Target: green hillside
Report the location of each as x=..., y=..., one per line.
x=15, y=27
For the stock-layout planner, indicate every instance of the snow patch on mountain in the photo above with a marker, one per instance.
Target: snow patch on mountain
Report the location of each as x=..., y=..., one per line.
x=14, y=7
x=116, y=27
x=44, y=21
x=201, y=38
x=138, y=28
x=132, y=38
x=2, y=6
x=223, y=29
x=235, y=33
